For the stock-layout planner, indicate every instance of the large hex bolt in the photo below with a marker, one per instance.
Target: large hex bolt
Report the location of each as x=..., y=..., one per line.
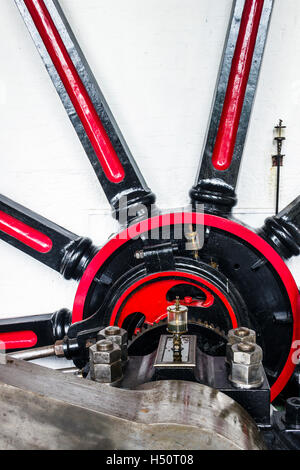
x=246, y=370
x=292, y=413
x=116, y=335
x=239, y=335
x=105, y=362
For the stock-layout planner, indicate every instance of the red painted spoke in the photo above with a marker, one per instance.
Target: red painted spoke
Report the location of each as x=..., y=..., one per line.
x=43, y=240
x=237, y=84
x=24, y=233
x=35, y=330
x=76, y=90
x=18, y=340
x=81, y=96
x=246, y=37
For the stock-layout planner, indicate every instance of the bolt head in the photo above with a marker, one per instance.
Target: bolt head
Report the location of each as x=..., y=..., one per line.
x=114, y=334
x=107, y=354
x=112, y=331
x=104, y=345
x=241, y=332
x=240, y=335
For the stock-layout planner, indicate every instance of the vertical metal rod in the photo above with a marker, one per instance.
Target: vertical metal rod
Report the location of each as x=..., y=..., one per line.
x=278, y=184
x=278, y=159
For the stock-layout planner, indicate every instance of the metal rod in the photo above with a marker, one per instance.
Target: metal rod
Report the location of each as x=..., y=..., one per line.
x=278, y=159
x=31, y=354
x=278, y=184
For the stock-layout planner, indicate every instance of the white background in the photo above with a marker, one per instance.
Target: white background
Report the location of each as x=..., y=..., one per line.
x=156, y=62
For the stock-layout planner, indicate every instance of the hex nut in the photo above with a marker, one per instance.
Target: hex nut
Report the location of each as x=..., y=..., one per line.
x=104, y=357
x=246, y=369
x=246, y=353
x=246, y=376
x=112, y=330
x=292, y=413
x=116, y=335
x=59, y=348
x=239, y=335
x=106, y=373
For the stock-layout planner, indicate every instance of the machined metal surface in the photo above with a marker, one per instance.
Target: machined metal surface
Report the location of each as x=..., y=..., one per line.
x=43, y=409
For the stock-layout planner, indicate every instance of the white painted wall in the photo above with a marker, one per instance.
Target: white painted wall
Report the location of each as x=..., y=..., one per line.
x=157, y=62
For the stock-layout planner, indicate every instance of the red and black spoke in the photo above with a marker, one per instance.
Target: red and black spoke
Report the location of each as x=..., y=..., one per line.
x=43, y=240
x=233, y=102
x=102, y=140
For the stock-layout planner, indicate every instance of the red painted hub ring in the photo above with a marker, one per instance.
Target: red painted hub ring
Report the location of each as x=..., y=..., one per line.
x=210, y=221
x=140, y=283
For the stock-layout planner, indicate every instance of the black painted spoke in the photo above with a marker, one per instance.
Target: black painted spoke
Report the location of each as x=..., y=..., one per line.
x=34, y=330
x=45, y=241
x=234, y=96
x=86, y=107
x=283, y=230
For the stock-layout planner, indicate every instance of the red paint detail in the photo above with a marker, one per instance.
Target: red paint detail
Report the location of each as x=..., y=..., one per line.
x=76, y=90
x=151, y=299
x=24, y=233
x=237, y=84
x=18, y=340
x=210, y=221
